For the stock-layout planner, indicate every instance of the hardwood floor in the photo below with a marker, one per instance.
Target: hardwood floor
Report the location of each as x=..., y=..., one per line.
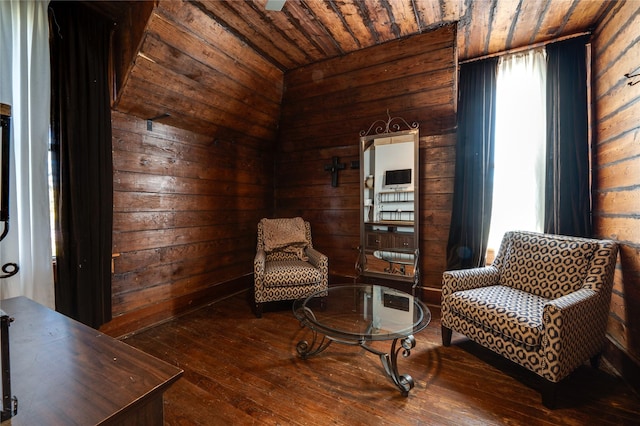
x=239, y=370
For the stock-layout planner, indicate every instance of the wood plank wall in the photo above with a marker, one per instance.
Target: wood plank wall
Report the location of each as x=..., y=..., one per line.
x=194, y=74
x=616, y=213
x=185, y=212
x=186, y=202
x=327, y=104
x=126, y=37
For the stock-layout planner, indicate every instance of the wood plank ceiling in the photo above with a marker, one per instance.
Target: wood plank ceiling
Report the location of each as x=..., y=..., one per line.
x=308, y=31
x=213, y=65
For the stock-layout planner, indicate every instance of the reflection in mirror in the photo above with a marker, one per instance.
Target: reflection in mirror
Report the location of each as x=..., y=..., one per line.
x=389, y=201
x=391, y=311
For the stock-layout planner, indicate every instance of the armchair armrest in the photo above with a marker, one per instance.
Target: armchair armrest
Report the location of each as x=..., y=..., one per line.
x=258, y=263
x=604, y=258
x=321, y=262
x=316, y=258
x=466, y=279
x=574, y=328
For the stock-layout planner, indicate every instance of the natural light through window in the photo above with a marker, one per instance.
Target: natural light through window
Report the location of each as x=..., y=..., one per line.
x=519, y=174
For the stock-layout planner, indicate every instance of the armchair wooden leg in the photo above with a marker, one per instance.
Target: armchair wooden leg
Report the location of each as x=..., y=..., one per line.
x=549, y=390
x=446, y=336
x=258, y=310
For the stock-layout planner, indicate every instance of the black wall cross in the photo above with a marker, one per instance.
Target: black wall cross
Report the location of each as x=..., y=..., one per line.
x=334, y=167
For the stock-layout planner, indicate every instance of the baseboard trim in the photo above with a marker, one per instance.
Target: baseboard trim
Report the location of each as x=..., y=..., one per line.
x=147, y=317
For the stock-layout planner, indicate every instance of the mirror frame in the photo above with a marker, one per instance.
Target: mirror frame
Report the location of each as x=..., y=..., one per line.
x=388, y=129
x=5, y=126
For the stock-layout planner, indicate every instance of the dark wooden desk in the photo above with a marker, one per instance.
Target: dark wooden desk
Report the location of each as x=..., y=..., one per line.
x=65, y=373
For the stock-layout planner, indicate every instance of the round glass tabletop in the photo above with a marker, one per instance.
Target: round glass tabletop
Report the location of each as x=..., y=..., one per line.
x=359, y=312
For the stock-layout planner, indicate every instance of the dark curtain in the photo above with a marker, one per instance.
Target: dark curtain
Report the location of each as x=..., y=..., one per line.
x=83, y=177
x=473, y=187
x=568, y=187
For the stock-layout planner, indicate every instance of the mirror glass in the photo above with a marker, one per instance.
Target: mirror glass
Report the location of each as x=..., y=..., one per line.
x=389, y=205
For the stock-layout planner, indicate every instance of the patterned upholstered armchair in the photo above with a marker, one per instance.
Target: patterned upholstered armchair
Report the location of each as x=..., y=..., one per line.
x=543, y=303
x=286, y=265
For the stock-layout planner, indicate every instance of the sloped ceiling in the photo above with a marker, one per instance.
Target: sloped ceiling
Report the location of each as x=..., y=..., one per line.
x=217, y=67
x=307, y=31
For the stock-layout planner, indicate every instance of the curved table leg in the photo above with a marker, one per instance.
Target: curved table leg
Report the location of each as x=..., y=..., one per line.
x=404, y=382
x=305, y=350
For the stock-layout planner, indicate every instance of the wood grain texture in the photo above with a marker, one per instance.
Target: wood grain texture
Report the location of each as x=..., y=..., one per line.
x=324, y=108
x=186, y=207
x=63, y=372
x=220, y=69
x=244, y=370
x=224, y=55
x=202, y=76
x=616, y=211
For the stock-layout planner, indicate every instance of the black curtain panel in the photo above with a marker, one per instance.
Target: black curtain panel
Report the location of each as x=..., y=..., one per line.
x=568, y=188
x=83, y=177
x=473, y=187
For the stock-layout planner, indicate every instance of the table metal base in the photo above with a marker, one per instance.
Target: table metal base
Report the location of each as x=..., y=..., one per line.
x=403, y=382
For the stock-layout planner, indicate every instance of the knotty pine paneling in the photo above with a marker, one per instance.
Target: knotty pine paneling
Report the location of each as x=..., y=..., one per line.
x=616, y=212
x=326, y=105
x=185, y=208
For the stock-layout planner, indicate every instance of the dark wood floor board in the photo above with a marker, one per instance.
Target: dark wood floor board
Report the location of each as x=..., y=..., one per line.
x=272, y=359
x=221, y=373
x=189, y=401
x=243, y=370
x=219, y=377
x=255, y=370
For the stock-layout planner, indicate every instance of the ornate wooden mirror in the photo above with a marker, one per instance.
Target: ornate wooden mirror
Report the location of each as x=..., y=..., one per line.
x=389, y=215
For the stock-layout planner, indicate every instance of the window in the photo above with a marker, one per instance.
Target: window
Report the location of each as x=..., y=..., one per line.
x=520, y=140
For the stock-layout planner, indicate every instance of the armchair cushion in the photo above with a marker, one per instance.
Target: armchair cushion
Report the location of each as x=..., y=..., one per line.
x=284, y=272
x=509, y=312
x=546, y=266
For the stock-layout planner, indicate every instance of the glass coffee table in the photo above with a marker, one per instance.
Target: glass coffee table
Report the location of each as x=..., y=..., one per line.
x=359, y=314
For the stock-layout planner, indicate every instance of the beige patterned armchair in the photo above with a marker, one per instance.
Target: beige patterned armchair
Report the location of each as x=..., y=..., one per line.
x=286, y=265
x=543, y=303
